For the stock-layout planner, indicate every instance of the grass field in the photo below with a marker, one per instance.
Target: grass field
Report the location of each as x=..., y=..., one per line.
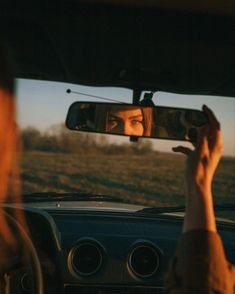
x=156, y=179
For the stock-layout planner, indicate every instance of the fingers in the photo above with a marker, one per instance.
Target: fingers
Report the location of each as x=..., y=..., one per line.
x=215, y=143
x=182, y=149
x=215, y=136
x=202, y=140
x=213, y=122
x=209, y=140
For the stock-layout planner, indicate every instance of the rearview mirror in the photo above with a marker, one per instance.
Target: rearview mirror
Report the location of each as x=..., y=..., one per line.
x=139, y=121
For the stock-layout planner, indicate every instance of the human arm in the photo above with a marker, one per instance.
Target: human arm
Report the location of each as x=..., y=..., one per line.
x=200, y=265
x=201, y=165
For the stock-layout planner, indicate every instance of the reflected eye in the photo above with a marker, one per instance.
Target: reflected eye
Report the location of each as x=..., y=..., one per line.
x=136, y=122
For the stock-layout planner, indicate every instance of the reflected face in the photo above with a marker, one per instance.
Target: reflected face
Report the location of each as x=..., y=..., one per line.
x=126, y=121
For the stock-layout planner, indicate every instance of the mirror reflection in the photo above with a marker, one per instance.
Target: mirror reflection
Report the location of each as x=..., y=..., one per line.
x=124, y=120
x=140, y=121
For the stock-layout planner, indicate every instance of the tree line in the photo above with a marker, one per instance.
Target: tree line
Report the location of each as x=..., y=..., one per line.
x=59, y=139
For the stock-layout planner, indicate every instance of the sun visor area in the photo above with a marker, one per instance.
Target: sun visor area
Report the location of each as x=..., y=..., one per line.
x=33, y=52
x=104, y=45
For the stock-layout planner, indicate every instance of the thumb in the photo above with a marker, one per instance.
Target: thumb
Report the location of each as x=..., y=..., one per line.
x=182, y=149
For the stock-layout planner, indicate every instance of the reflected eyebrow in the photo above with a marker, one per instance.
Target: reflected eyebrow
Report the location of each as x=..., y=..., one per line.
x=131, y=117
x=136, y=116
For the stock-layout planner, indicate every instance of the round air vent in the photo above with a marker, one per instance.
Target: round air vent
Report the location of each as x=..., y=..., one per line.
x=86, y=257
x=144, y=260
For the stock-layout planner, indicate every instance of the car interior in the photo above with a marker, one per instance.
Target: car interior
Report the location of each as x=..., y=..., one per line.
x=105, y=206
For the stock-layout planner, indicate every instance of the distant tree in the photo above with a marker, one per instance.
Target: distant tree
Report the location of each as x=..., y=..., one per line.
x=146, y=145
x=48, y=143
x=141, y=147
x=59, y=139
x=31, y=138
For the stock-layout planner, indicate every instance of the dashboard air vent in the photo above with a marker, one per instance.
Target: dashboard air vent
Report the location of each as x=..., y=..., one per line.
x=86, y=257
x=143, y=260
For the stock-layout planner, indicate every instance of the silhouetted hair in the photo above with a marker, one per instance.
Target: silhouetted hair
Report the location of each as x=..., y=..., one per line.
x=10, y=190
x=6, y=69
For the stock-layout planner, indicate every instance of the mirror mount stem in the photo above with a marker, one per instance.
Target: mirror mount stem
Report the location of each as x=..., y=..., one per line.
x=147, y=100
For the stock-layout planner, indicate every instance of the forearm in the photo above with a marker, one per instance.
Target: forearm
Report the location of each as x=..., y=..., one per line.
x=200, y=266
x=199, y=209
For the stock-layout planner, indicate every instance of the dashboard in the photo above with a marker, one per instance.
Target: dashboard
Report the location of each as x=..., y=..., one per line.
x=107, y=251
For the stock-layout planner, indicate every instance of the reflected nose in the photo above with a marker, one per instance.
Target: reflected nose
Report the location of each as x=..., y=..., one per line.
x=123, y=128
x=127, y=129
x=120, y=129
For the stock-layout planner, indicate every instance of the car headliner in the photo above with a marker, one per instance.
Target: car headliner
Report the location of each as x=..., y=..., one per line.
x=142, y=45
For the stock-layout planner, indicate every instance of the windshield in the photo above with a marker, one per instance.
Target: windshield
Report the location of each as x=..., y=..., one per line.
x=146, y=172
